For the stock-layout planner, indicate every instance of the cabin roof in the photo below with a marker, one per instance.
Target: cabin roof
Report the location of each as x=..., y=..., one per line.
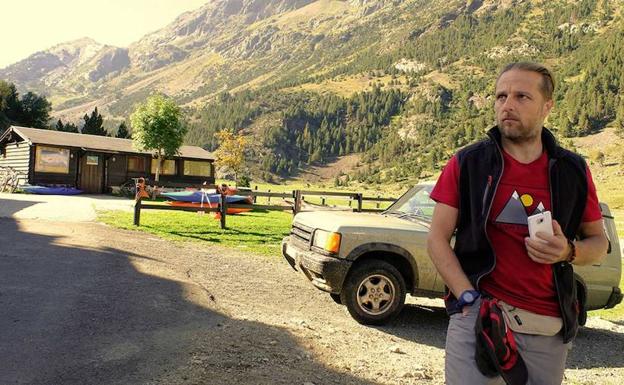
x=92, y=142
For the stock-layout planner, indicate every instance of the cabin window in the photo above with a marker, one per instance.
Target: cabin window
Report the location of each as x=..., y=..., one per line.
x=93, y=160
x=168, y=167
x=52, y=159
x=136, y=164
x=196, y=168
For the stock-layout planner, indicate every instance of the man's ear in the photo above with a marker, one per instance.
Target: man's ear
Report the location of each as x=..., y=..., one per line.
x=548, y=107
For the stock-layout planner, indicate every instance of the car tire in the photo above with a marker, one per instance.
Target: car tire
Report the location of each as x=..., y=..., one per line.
x=374, y=292
x=336, y=298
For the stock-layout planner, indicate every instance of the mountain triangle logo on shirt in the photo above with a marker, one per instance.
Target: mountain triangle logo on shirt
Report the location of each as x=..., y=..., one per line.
x=515, y=211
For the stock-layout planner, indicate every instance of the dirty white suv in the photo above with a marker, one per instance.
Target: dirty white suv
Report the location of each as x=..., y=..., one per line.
x=369, y=262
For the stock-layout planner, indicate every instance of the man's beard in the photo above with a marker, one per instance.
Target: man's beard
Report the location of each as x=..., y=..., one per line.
x=517, y=133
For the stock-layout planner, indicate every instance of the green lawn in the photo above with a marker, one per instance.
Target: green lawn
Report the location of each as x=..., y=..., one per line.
x=259, y=232
x=329, y=200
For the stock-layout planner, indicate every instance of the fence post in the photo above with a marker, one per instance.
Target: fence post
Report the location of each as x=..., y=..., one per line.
x=359, y=202
x=255, y=197
x=322, y=201
x=223, y=207
x=269, y=198
x=137, y=211
x=297, y=204
x=377, y=204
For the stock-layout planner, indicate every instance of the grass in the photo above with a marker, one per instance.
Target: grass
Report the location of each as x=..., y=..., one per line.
x=316, y=199
x=609, y=175
x=348, y=85
x=258, y=232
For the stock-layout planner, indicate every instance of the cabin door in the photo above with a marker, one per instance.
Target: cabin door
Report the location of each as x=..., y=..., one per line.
x=92, y=173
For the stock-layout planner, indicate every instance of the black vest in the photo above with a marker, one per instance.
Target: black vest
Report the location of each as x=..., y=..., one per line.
x=480, y=170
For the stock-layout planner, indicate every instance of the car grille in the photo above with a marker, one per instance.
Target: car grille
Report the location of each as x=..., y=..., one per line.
x=302, y=234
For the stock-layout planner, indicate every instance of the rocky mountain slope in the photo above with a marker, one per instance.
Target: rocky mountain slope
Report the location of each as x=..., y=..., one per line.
x=225, y=45
x=403, y=82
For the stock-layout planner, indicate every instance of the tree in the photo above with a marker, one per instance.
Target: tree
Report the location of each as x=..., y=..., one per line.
x=9, y=105
x=619, y=121
x=67, y=127
x=156, y=126
x=231, y=151
x=93, y=125
x=71, y=127
x=35, y=111
x=31, y=110
x=122, y=131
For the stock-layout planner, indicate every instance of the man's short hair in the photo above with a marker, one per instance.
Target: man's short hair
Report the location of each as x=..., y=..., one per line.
x=548, y=82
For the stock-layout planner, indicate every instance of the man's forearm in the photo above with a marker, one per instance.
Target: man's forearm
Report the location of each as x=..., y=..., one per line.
x=590, y=250
x=448, y=266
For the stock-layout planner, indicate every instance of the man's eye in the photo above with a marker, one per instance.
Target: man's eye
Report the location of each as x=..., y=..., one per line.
x=501, y=97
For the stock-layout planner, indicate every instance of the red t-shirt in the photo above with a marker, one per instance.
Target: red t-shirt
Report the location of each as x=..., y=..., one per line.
x=522, y=191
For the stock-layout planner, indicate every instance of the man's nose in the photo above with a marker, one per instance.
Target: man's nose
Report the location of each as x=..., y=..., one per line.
x=508, y=105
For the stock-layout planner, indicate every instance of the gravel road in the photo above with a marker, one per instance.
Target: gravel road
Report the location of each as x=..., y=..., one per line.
x=83, y=303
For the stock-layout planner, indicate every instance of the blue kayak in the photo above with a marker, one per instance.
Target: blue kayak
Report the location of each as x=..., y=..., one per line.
x=43, y=190
x=199, y=197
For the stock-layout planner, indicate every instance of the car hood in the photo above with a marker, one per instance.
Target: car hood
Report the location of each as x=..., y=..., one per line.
x=346, y=221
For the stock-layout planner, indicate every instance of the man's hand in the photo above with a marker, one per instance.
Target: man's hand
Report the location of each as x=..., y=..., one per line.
x=548, y=249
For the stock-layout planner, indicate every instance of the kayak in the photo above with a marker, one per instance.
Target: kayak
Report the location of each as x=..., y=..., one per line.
x=230, y=210
x=202, y=197
x=43, y=190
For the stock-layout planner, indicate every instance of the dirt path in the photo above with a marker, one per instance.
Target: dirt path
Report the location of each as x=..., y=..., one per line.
x=85, y=303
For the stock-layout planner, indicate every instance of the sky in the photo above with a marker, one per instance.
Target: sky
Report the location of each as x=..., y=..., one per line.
x=29, y=26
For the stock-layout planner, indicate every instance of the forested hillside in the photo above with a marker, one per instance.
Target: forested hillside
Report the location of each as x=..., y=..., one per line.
x=432, y=93
x=402, y=83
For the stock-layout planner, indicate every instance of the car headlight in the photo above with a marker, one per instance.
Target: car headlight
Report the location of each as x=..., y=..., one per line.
x=327, y=240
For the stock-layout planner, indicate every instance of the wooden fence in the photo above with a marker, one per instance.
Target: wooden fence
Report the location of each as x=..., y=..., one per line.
x=297, y=196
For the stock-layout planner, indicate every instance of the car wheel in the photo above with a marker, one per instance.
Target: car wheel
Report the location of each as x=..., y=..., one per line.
x=336, y=298
x=374, y=292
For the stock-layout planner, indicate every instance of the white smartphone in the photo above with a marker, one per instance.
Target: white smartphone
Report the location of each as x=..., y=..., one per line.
x=540, y=222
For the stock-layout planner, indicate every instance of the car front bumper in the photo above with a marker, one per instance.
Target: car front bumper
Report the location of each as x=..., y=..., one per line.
x=325, y=272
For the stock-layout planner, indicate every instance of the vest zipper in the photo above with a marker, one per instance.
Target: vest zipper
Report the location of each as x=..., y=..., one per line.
x=551, y=162
x=502, y=160
x=485, y=194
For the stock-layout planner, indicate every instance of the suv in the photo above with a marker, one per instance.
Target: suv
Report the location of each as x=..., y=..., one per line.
x=369, y=262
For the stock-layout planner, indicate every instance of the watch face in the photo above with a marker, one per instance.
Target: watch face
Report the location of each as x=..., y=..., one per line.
x=468, y=297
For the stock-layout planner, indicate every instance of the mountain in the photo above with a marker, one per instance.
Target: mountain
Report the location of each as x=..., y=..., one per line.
x=67, y=66
x=401, y=82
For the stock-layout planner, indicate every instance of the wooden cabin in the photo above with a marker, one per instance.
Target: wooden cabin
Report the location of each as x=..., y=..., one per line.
x=93, y=163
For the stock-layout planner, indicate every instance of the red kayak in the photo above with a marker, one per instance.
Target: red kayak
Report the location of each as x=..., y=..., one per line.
x=230, y=210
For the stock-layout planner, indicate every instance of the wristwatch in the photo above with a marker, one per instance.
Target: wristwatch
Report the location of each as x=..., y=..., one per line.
x=572, y=256
x=467, y=298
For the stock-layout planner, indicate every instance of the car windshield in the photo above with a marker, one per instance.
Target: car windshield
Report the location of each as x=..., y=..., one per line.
x=415, y=203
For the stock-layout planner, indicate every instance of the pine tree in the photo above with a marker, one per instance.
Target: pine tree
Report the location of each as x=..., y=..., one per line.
x=71, y=127
x=122, y=131
x=93, y=125
x=619, y=122
x=67, y=127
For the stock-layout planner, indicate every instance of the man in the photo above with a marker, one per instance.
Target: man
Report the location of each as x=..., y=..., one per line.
x=485, y=193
